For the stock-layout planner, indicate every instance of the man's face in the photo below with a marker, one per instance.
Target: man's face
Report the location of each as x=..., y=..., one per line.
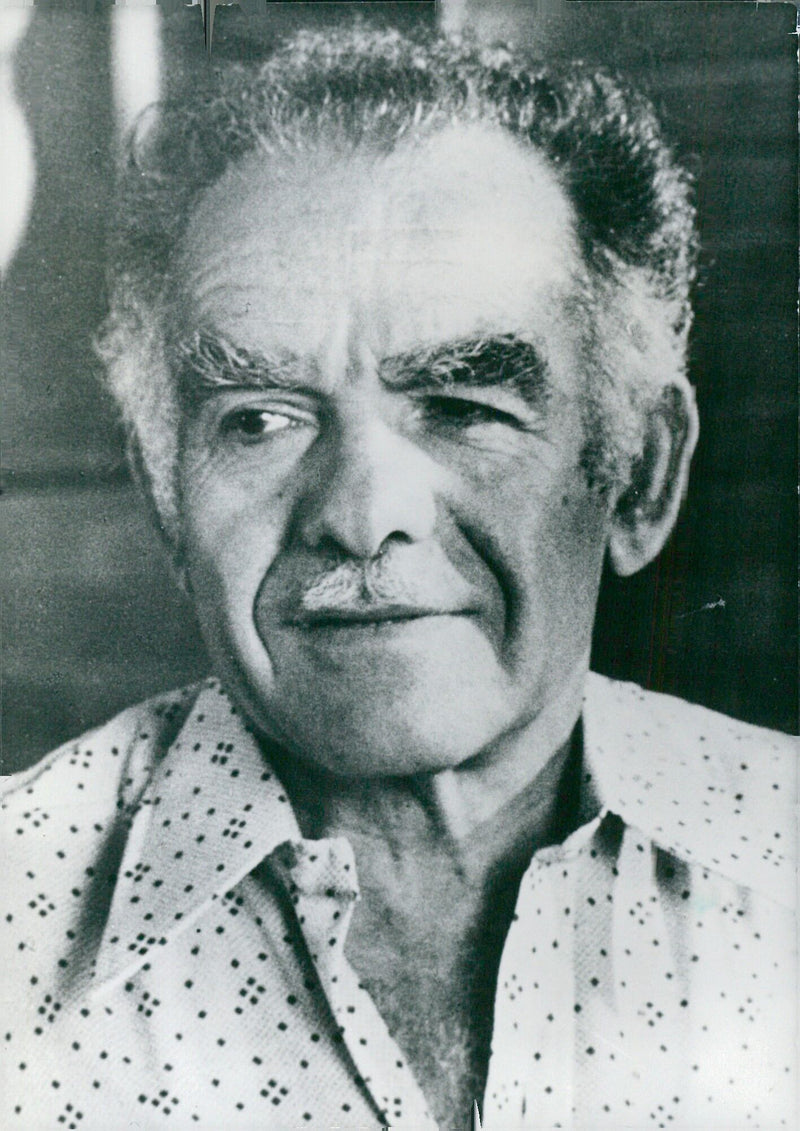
x=393, y=550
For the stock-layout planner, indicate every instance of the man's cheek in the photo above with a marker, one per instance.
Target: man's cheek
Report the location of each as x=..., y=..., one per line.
x=229, y=550
x=551, y=566
x=570, y=564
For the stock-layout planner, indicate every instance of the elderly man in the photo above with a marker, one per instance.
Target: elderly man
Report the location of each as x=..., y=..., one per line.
x=399, y=330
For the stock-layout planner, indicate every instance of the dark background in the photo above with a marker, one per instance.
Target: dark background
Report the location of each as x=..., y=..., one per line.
x=93, y=621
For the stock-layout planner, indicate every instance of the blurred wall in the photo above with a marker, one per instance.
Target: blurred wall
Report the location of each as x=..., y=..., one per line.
x=93, y=621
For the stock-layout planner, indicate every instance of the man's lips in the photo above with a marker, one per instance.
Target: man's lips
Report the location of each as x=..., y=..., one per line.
x=353, y=618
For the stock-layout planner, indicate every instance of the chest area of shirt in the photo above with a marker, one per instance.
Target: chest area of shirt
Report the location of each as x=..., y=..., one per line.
x=236, y=1020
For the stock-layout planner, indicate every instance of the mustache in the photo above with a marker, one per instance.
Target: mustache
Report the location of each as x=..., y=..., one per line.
x=403, y=577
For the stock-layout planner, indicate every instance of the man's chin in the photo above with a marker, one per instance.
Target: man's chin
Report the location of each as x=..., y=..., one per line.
x=375, y=731
x=382, y=747
x=390, y=699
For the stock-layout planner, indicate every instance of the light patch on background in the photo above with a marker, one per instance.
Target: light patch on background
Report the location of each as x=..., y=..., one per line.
x=135, y=62
x=452, y=15
x=16, y=184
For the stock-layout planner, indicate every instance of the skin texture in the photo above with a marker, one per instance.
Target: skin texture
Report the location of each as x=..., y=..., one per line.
x=397, y=578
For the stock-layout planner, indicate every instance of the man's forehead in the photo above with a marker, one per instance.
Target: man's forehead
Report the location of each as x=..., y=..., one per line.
x=474, y=167
x=462, y=231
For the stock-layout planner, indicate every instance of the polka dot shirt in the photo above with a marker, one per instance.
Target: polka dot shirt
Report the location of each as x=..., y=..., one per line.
x=173, y=949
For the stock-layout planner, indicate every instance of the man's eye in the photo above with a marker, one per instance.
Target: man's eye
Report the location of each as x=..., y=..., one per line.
x=458, y=413
x=253, y=424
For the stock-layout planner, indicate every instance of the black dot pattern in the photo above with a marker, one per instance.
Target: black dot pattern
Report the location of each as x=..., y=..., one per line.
x=173, y=950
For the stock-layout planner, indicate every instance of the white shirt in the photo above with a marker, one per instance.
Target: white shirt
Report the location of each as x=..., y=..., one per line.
x=173, y=949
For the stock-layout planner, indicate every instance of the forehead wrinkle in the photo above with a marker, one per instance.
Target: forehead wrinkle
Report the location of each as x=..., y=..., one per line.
x=390, y=253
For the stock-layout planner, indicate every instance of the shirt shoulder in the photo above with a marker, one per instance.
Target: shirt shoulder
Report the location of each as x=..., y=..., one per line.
x=94, y=776
x=719, y=792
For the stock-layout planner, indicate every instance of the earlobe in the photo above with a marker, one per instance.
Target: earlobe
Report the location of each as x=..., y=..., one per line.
x=645, y=512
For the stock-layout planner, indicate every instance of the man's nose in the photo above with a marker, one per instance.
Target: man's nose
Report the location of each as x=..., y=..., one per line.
x=375, y=487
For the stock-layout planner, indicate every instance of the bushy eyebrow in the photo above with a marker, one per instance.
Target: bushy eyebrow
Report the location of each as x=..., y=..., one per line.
x=498, y=360
x=207, y=361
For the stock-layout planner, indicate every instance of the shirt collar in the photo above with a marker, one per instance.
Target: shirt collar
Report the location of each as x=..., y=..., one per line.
x=214, y=809
x=676, y=773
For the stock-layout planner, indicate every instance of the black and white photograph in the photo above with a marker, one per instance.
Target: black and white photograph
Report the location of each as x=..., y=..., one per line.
x=399, y=565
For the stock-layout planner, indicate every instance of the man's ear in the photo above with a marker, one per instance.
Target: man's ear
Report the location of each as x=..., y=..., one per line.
x=645, y=512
